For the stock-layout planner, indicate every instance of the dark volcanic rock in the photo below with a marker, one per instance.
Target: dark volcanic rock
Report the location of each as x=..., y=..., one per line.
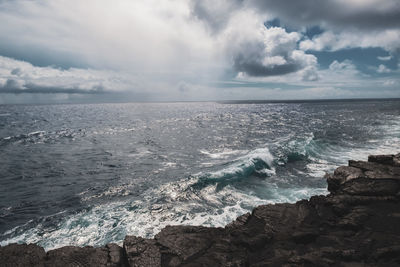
x=22, y=255
x=342, y=175
x=357, y=224
x=75, y=256
x=142, y=252
x=376, y=170
x=33, y=255
x=186, y=242
x=393, y=160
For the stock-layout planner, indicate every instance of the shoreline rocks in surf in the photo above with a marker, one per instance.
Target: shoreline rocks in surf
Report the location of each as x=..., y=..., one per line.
x=357, y=223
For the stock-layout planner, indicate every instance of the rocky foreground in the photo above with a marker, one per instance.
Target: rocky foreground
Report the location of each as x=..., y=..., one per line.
x=357, y=224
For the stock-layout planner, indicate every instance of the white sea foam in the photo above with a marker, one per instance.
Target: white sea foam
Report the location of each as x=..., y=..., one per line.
x=176, y=203
x=36, y=133
x=222, y=154
x=111, y=222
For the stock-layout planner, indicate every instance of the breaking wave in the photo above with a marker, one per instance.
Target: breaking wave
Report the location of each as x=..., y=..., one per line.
x=209, y=199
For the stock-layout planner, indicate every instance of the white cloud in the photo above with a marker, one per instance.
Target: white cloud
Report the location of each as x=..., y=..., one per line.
x=19, y=76
x=347, y=23
x=383, y=69
x=344, y=66
x=390, y=83
x=144, y=36
x=329, y=40
x=259, y=51
x=385, y=58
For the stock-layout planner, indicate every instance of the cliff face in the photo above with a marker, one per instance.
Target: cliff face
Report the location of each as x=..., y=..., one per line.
x=358, y=223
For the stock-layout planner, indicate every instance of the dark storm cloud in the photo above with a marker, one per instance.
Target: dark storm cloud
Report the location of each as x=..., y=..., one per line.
x=34, y=88
x=358, y=14
x=272, y=52
x=257, y=69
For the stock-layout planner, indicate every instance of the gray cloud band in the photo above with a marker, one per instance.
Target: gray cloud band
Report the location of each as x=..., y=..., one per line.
x=334, y=13
x=12, y=87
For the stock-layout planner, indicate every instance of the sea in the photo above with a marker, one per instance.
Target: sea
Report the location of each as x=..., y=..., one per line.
x=90, y=174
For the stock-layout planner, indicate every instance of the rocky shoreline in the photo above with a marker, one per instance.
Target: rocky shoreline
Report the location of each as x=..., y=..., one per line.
x=357, y=224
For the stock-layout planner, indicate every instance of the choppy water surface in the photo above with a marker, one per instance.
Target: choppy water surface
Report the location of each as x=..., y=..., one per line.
x=90, y=174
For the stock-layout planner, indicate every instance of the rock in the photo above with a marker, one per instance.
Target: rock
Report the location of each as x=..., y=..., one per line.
x=116, y=255
x=33, y=255
x=382, y=159
x=354, y=219
x=142, y=252
x=356, y=225
x=15, y=255
x=387, y=252
x=348, y=173
x=396, y=160
x=75, y=256
x=341, y=175
x=240, y=221
x=187, y=242
x=380, y=170
x=304, y=237
x=372, y=187
x=393, y=160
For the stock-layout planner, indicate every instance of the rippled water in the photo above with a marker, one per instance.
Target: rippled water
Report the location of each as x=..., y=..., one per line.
x=90, y=174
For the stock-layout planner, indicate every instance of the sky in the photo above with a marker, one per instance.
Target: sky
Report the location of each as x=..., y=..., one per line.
x=56, y=51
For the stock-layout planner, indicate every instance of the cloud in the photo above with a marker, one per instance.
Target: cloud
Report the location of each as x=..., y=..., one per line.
x=274, y=53
x=359, y=14
x=344, y=66
x=139, y=36
x=215, y=14
x=13, y=87
x=10, y=85
x=383, y=69
x=390, y=83
x=331, y=41
x=180, y=40
x=385, y=58
x=22, y=77
x=341, y=77
x=258, y=51
x=346, y=23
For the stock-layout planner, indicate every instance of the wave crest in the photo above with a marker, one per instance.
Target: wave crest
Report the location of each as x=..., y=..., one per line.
x=258, y=163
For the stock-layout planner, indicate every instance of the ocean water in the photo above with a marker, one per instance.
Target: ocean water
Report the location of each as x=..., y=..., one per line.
x=90, y=174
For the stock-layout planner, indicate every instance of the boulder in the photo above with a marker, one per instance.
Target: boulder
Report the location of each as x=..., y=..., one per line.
x=341, y=175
